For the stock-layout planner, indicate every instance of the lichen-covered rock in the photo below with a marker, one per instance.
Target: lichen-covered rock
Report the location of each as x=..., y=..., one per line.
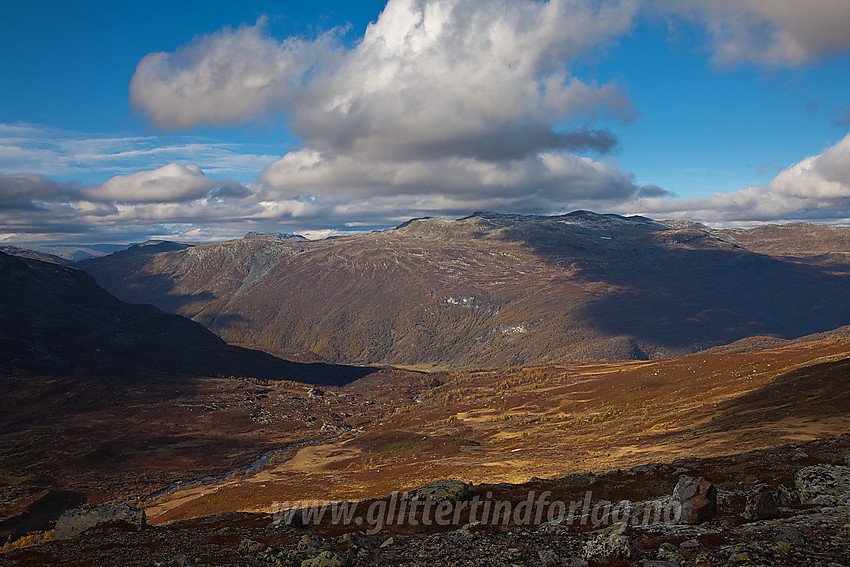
x=548, y=558
x=440, y=490
x=762, y=502
x=761, y=553
x=74, y=522
x=313, y=544
x=249, y=546
x=325, y=559
x=610, y=543
x=697, y=499
x=358, y=540
x=466, y=530
x=668, y=552
x=822, y=480
x=649, y=468
x=788, y=496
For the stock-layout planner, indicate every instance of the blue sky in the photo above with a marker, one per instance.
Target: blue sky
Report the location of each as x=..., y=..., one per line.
x=202, y=120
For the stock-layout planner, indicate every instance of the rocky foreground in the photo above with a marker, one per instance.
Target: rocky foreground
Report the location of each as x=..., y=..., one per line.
x=782, y=506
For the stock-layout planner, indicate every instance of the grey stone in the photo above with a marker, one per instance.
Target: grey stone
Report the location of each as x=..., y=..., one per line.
x=313, y=543
x=788, y=496
x=697, y=498
x=249, y=547
x=441, y=490
x=357, y=540
x=790, y=535
x=610, y=543
x=548, y=558
x=649, y=468
x=325, y=559
x=668, y=552
x=762, y=502
x=824, y=500
x=74, y=522
x=822, y=480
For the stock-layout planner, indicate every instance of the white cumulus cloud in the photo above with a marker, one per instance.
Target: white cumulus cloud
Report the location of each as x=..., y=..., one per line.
x=429, y=78
x=815, y=188
x=232, y=75
x=444, y=101
x=173, y=182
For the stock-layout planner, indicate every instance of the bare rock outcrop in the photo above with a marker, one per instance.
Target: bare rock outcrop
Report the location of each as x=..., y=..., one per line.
x=75, y=521
x=697, y=498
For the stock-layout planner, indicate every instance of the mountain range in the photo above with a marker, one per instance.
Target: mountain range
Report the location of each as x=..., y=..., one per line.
x=499, y=290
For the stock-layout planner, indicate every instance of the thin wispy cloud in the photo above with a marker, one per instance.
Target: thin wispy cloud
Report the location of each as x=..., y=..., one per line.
x=37, y=149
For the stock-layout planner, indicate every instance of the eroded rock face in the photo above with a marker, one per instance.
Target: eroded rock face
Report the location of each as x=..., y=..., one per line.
x=822, y=481
x=440, y=490
x=74, y=522
x=762, y=502
x=697, y=498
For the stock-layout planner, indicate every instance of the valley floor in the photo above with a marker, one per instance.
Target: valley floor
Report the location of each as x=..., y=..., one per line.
x=69, y=441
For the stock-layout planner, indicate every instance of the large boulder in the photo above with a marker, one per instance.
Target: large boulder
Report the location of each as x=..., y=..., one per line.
x=762, y=502
x=822, y=480
x=697, y=499
x=74, y=522
x=440, y=490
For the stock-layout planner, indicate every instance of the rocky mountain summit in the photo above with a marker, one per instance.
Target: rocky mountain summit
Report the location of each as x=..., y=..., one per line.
x=502, y=290
x=273, y=236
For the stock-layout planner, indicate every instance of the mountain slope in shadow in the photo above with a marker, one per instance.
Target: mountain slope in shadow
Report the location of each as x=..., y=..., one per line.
x=56, y=320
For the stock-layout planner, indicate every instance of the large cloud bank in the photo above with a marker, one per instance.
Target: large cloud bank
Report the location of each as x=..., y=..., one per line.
x=442, y=107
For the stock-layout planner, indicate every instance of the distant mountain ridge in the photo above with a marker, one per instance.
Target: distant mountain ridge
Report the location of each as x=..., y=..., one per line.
x=34, y=255
x=273, y=236
x=500, y=289
x=77, y=252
